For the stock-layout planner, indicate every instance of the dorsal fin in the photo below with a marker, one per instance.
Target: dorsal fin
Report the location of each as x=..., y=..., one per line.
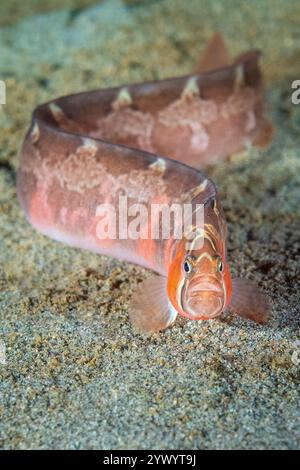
x=215, y=55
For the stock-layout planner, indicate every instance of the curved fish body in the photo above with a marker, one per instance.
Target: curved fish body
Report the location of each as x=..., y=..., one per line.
x=94, y=165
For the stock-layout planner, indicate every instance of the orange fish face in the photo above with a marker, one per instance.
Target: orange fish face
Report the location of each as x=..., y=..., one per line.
x=199, y=283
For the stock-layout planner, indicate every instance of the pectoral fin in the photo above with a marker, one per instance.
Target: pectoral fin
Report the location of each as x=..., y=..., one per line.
x=215, y=55
x=150, y=309
x=249, y=302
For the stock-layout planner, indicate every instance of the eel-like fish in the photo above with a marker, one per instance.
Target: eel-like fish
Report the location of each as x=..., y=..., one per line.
x=141, y=146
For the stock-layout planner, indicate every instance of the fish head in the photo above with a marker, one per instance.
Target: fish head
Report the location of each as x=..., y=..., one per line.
x=199, y=283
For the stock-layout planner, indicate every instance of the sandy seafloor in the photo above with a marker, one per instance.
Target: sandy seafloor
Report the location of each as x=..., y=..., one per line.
x=76, y=375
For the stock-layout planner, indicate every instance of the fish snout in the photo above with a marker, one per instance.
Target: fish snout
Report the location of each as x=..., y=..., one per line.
x=205, y=283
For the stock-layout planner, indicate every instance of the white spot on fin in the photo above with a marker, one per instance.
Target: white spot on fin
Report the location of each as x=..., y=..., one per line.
x=57, y=112
x=35, y=133
x=239, y=79
x=90, y=145
x=191, y=89
x=159, y=165
x=123, y=100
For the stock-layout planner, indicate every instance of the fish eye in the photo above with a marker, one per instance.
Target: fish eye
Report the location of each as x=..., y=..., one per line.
x=220, y=265
x=188, y=265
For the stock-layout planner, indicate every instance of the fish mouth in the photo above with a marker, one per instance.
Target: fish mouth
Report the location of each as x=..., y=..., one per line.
x=204, y=298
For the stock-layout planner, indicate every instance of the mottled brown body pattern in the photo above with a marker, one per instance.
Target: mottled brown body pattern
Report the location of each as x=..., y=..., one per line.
x=88, y=149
